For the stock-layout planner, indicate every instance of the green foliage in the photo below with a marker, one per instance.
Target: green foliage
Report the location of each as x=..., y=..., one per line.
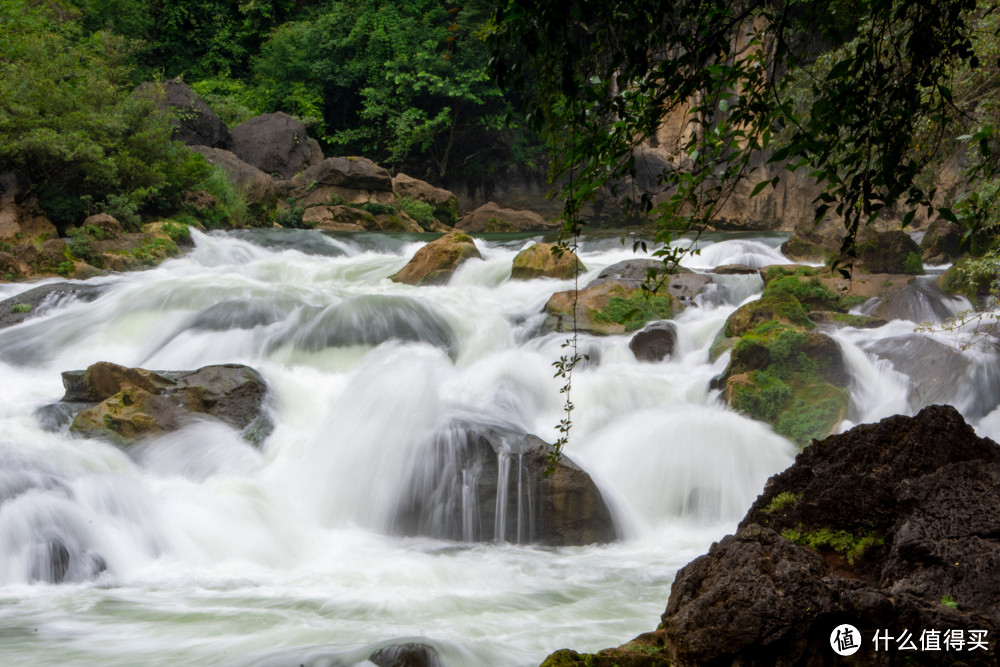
x=848, y=545
x=913, y=264
x=376, y=208
x=636, y=310
x=150, y=252
x=764, y=399
x=782, y=501
x=291, y=217
x=948, y=601
x=178, y=232
x=420, y=211
x=228, y=207
x=814, y=411
x=809, y=292
x=774, y=272
x=21, y=308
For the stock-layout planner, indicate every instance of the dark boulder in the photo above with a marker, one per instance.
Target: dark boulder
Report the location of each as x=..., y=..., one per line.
x=563, y=508
x=655, y=342
x=277, y=144
x=406, y=655
x=195, y=123
x=127, y=404
x=258, y=186
x=890, y=526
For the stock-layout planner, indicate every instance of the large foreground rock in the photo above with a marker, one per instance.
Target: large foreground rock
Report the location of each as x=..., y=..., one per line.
x=891, y=527
x=126, y=404
x=467, y=466
x=276, y=144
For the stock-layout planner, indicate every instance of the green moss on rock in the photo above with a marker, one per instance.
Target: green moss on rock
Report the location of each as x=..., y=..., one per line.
x=635, y=311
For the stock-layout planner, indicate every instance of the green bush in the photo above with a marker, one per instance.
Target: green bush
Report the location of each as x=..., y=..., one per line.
x=849, y=546
x=913, y=264
x=421, y=212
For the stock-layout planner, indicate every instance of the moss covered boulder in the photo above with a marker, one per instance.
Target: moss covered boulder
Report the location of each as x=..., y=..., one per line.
x=435, y=263
x=126, y=404
x=607, y=308
x=889, y=252
x=545, y=260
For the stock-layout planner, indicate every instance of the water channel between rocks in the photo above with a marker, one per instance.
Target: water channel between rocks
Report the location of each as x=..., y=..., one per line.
x=218, y=553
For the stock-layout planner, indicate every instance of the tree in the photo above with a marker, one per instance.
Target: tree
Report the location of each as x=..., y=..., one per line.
x=872, y=113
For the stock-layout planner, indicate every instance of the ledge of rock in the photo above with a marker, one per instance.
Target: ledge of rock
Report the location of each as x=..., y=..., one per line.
x=490, y=218
x=126, y=404
x=891, y=527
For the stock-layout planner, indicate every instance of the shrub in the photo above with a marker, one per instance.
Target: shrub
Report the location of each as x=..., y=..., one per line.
x=420, y=211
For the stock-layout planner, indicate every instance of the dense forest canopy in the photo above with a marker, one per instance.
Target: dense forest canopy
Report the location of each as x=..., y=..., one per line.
x=871, y=97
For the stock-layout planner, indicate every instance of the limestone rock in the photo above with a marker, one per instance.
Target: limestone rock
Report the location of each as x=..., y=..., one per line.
x=109, y=226
x=436, y=262
x=276, y=143
x=126, y=404
x=195, y=123
x=942, y=242
x=39, y=300
x=490, y=218
x=888, y=252
x=540, y=261
x=338, y=218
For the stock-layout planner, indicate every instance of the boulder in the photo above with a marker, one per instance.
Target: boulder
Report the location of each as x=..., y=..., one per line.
x=889, y=252
x=444, y=202
x=942, y=242
x=607, y=308
x=919, y=302
x=544, y=504
x=338, y=218
x=406, y=655
x=342, y=180
x=889, y=527
x=683, y=284
x=655, y=342
x=276, y=144
x=491, y=218
x=108, y=226
x=127, y=404
x=21, y=221
x=195, y=123
x=545, y=260
x=258, y=187
x=436, y=262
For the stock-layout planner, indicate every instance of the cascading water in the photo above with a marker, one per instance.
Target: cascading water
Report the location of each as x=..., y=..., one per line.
x=340, y=535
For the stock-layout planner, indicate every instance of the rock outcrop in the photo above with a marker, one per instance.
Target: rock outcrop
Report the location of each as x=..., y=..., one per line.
x=435, y=263
x=545, y=260
x=40, y=300
x=277, y=144
x=443, y=203
x=562, y=508
x=258, y=186
x=126, y=404
x=341, y=180
x=890, y=527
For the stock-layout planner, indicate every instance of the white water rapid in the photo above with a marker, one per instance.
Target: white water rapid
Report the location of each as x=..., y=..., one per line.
x=194, y=548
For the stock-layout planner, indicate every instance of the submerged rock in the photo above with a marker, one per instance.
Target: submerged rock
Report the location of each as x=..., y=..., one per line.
x=655, y=342
x=406, y=655
x=39, y=300
x=487, y=482
x=890, y=527
x=126, y=404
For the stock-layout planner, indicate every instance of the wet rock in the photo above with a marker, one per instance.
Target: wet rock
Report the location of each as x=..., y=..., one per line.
x=924, y=489
x=837, y=320
x=631, y=272
x=40, y=300
x=495, y=461
x=406, y=655
x=490, y=217
x=276, y=144
x=435, y=263
x=607, y=308
x=734, y=269
x=655, y=342
x=919, y=301
x=680, y=283
x=545, y=260
x=889, y=252
x=194, y=122
x=127, y=404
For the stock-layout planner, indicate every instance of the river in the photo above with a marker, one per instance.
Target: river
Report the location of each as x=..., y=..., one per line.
x=217, y=553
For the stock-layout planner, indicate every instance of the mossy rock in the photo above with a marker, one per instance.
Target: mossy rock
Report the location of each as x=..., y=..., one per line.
x=435, y=263
x=609, y=308
x=846, y=320
x=889, y=252
x=546, y=260
x=808, y=290
x=777, y=306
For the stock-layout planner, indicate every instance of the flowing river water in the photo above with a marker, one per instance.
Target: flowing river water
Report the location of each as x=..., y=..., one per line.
x=221, y=554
